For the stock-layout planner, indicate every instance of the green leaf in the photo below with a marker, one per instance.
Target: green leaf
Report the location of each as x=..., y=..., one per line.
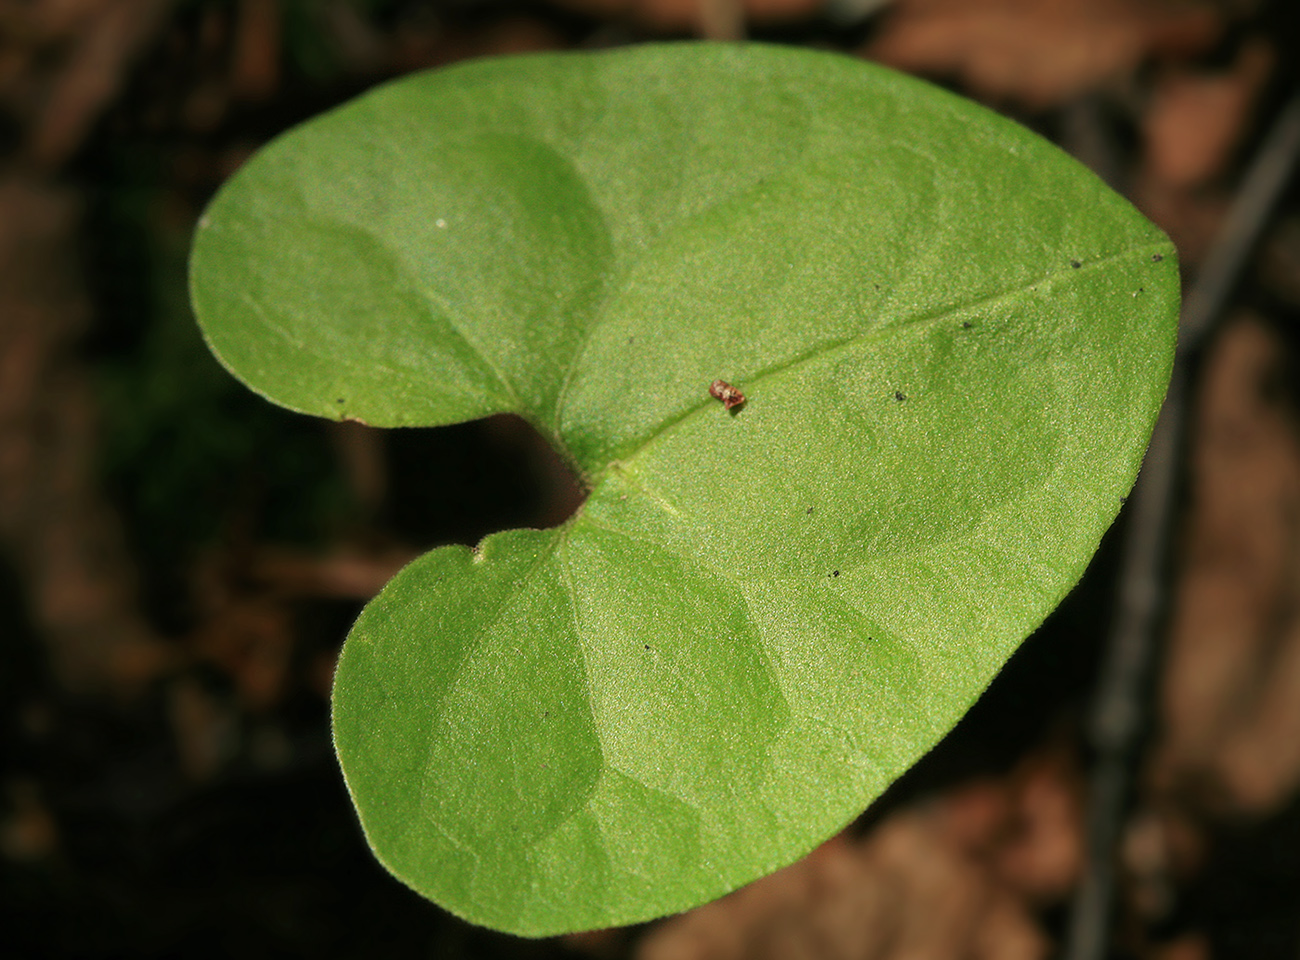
x=953, y=341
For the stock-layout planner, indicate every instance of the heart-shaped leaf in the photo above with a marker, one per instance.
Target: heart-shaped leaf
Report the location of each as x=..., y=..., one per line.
x=952, y=341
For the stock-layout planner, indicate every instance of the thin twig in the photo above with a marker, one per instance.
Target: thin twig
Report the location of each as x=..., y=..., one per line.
x=1118, y=709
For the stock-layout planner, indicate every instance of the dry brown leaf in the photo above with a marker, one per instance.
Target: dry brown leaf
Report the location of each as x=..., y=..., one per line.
x=1038, y=53
x=702, y=17
x=905, y=891
x=1195, y=121
x=975, y=815
x=1192, y=218
x=1005, y=934
x=1041, y=854
x=1259, y=760
x=1162, y=848
x=1231, y=687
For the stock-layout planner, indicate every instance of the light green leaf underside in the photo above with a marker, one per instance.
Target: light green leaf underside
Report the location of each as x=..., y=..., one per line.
x=953, y=341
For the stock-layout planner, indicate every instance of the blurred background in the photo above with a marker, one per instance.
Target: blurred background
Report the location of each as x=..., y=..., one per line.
x=180, y=561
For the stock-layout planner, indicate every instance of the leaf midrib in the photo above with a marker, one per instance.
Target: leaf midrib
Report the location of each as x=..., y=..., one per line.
x=867, y=336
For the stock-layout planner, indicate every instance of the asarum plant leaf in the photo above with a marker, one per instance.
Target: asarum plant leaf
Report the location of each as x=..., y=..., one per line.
x=952, y=341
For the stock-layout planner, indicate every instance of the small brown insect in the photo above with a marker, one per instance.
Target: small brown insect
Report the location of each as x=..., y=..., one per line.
x=729, y=395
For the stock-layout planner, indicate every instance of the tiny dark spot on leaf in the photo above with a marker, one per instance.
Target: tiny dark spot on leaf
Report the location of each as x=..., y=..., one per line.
x=899, y=396
x=1076, y=264
x=810, y=510
x=835, y=573
x=339, y=400
x=630, y=339
x=966, y=324
x=1157, y=257
x=647, y=646
x=545, y=714
x=1142, y=289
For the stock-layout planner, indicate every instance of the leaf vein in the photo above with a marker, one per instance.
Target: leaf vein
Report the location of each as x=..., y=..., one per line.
x=879, y=333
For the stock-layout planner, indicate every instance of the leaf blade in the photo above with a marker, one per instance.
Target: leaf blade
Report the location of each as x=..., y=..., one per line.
x=953, y=342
